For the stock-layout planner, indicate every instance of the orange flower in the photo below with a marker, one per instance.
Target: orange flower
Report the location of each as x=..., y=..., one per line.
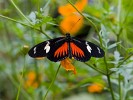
x=31, y=75
x=81, y=4
x=32, y=80
x=70, y=23
x=71, y=17
x=68, y=65
x=68, y=9
x=95, y=88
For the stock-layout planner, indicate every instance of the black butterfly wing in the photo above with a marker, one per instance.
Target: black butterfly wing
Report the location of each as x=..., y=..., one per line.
x=54, y=49
x=86, y=50
x=79, y=51
x=38, y=50
x=96, y=51
x=42, y=49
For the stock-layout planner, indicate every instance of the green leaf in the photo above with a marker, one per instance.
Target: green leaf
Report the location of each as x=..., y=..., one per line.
x=32, y=17
x=129, y=50
x=113, y=45
x=44, y=20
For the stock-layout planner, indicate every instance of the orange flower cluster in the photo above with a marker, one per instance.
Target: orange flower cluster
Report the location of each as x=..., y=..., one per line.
x=68, y=65
x=71, y=17
x=32, y=80
x=95, y=88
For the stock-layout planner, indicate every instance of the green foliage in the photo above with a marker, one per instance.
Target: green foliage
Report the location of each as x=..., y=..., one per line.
x=25, y=23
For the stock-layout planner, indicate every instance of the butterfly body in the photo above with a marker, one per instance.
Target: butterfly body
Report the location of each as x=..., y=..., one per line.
x=60, y=48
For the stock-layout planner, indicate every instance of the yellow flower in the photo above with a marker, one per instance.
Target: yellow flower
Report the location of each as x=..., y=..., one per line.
x=32, y=80
x=71, y=17
x=95, y=88
x=66, y=63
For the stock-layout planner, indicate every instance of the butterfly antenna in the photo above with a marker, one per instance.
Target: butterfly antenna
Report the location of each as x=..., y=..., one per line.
x=74, y=24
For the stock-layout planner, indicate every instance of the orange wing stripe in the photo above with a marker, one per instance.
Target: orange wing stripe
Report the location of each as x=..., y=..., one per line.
x=61, y=51
x=76, y=50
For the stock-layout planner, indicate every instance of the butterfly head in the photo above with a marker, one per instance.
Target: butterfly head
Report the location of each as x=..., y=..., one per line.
x=67, y=34
x=68, y=37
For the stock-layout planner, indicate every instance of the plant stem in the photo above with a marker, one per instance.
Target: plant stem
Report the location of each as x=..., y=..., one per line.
x=108, y=78
x=93, y=25
x=95, y=68
x=15, y=21
x=122, y=62
x=118, y=39
x=110, y=86
x=119, y=24
x=31, y=26
x=15, y=83
x=17, y=97
x=41, y=30
x=119, y=16
x=119, y=82
x=20, y=11
x=52, y=82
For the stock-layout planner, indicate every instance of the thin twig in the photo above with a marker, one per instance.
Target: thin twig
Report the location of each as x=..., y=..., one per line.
x=52, y=82
x=108, y=78
x=20, y=85
x=122, y=62
x=93, y=25
x=31, y=26
x=97, y=69
x=20, y=11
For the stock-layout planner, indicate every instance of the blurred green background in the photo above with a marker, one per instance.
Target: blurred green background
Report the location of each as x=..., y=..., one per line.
x=24, y=23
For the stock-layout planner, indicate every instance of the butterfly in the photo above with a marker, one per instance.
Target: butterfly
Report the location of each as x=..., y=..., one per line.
x=60, y=48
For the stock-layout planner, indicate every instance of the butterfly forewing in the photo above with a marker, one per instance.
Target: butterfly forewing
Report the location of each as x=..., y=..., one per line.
x=42, y=49
x=38, y=50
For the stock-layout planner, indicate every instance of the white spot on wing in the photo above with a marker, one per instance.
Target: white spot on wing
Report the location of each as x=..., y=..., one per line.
x=88, y=47
x=34, y=50
x=98, y=50
x=47, y=47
